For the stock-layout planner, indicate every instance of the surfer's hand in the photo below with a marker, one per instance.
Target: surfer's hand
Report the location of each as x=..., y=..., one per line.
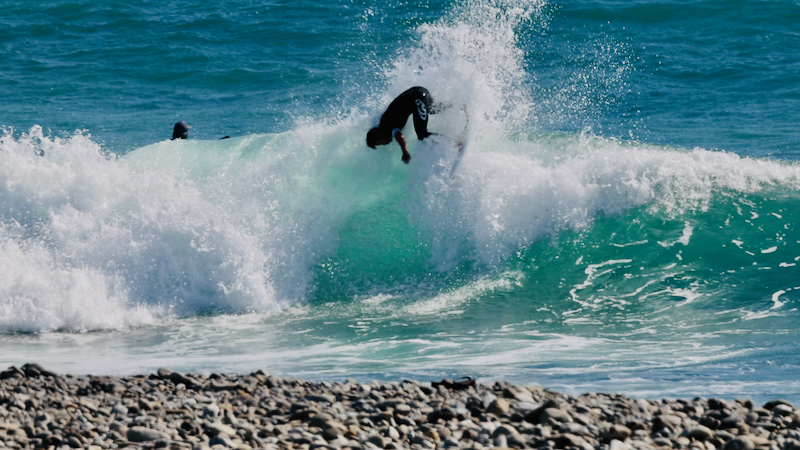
x=406, y=157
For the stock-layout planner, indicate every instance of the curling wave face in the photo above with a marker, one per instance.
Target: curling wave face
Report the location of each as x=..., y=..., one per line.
x=257, y=223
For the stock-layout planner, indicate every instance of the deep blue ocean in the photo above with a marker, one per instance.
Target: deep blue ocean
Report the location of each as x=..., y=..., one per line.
x=624, y=218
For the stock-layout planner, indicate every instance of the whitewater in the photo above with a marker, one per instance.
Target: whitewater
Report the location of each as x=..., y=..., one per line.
x=573, y=259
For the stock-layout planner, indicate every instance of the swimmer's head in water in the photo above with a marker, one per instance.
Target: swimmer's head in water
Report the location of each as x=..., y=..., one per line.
x=181, y=130
x=376, y=136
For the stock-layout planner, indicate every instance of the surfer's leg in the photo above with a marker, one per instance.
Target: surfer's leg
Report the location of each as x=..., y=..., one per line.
x=421, y=113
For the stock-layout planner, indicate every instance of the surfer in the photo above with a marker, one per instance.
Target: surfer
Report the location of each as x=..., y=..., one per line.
x=416, y=101
x=181, y=130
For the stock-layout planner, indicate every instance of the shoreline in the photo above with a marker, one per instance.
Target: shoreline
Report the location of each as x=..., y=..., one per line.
x=167, y=409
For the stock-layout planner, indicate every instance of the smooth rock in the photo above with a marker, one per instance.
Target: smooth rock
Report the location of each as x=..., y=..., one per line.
x=433, y=434
x=616, y=444
x=698, y=432
x=738, y=443
x=524, y=407
x=451, y=443
x=782, y=410
x=321, y=398
x=570, y=440
x=757, y=440
x=499, y=406
x=616, y=432
x=662, y=442
x=504, y=430
x=773, y=403
x=392, y=433
x=377, y=441
x=142, y=434
x=223, y=440
x=210, y=411
x=215, y=429
x=35, y=370
x=524, y=396
x=556, y=415
x=487, y=399
x=534, y=416
x=517, y=440
x=666, y=421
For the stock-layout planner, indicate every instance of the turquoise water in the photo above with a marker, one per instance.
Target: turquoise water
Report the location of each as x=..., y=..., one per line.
x=623, y=218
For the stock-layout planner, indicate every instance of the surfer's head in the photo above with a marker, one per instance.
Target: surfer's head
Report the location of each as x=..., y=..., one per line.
x=376, y=136
x=181, y=130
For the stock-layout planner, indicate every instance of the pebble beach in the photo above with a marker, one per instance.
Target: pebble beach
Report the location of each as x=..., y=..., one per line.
x=168, y=409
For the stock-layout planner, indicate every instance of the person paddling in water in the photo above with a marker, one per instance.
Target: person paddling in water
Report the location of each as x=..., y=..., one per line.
x=180, y=131
x=415, y=102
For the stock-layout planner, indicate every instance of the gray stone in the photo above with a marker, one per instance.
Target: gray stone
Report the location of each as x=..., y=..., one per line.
x=556, y=415
x=147, y=405
x=524, y=407
x=517, y=440
x=321, y=398
x=662, y=442
x=223, y=440
x=738, y=443
x=35, y=370
x=403, y=408
x=215, y=429
x=321, y=420
x=616, y=444
x=570, y=440
x=773, y=403
x=487, y=399
x=504, y=430
x=451, y=443
x=210, y=411
x=534, y=416
x=377, y=441
x=392, y=432
x=616, y=432
x=142, y=434
x=758, y=441
x=666, y=421
x=499, y=406
x=782, y=410
x=523, y=396
x=698, y=433
x=733, y=421
x=74, y=442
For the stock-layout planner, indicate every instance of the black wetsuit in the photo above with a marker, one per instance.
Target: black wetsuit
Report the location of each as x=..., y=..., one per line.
x=416, y=101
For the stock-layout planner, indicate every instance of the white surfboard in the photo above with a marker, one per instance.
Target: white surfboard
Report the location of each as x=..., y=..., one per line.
x=463, y=149
x=458, y=158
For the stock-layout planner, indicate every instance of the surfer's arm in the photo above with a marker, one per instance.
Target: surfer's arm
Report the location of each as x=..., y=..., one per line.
x=401, y=141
